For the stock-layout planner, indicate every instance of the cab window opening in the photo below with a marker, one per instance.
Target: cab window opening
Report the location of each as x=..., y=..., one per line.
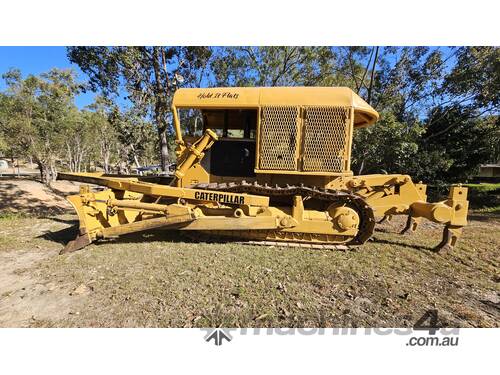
x=226, y=123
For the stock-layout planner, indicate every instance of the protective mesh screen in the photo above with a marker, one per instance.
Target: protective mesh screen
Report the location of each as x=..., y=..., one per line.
x=325, y=139
x=278, y=138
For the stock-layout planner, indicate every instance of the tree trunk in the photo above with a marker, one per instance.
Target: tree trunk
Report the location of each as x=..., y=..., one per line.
x=44, y=172
x=53, y=172
x=106, y=162
x=70, y=158
x=361, y=167
x=164, y=150
x=369, y=96
x=40, y=169
x=161, y=107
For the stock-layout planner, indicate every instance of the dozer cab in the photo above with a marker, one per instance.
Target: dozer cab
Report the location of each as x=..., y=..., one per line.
x=264, y=165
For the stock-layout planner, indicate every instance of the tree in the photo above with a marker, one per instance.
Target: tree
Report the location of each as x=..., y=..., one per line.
x=471, y=141
x=136, y=137
x=407, y=81
x=275, y=66
x=149, y=76
x=387, y=147
x=79, y=140
x=472, y=86
x=6, y=147
x=446, y=93
x=438, y=106
x=475, y=78
x=40, y=110
x=101, y=114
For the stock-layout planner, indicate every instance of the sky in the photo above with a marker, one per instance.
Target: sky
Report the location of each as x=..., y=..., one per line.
x=36, y=60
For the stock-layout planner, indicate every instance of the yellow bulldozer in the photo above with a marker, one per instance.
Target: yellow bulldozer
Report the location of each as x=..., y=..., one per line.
x=263, y=165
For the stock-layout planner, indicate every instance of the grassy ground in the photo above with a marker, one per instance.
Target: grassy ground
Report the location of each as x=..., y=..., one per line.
x=160, y=279
x=485, y=186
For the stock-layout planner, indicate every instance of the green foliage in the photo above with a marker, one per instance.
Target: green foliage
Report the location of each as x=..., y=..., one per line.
x=475, y=78
x=38, y=113
x=443, y=113
x=485, y=186
x=4, y=117
x=465, y=139
x=408, y=80
x=137, y=137
x=439, y=106
x=274, y=66
x=38, y=119
x=149, y=75
x=394, y=147
x=389, y=147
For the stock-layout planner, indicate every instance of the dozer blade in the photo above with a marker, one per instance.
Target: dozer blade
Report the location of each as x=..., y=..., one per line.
x=131, y=206
x=109, y=232
x=77, y=244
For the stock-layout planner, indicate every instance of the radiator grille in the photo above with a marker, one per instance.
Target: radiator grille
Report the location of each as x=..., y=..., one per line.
x=278, y=138
x=325, y=139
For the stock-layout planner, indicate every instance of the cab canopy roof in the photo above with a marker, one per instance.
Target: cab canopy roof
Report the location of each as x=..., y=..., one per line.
x=256, y=97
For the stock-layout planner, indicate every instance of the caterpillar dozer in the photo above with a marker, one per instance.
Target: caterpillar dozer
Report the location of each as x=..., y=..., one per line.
x=263, y=165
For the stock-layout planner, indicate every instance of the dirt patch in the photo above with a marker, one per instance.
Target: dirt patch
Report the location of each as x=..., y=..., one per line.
x=28, y=195
x=27, y=298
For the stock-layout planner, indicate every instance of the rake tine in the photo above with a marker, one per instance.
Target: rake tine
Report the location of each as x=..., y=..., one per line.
x=451, y=234
x=412, y=224
x=385, y=219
